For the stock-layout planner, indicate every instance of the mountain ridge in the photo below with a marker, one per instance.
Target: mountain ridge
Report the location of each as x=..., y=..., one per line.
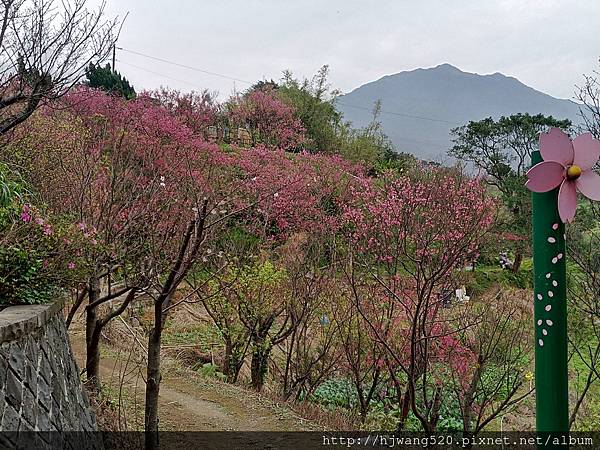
x=421, y=106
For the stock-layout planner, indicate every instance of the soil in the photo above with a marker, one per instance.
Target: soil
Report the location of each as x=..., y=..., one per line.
x=188, y=401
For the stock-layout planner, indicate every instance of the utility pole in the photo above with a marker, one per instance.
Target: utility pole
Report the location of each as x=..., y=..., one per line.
x=113, y=55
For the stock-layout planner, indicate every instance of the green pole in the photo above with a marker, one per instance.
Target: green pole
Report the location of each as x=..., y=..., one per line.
x=550, y=313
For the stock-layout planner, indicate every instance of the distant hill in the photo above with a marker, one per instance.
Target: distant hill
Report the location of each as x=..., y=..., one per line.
x=421, y=106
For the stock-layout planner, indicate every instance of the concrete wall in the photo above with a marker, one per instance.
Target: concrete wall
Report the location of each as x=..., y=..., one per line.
x=40, y=388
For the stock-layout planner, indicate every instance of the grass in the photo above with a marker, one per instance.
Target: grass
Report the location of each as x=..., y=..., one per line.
x=204, y=335
x=486, y=277
x=588, y=418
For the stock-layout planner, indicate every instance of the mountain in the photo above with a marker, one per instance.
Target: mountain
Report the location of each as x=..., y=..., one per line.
x=420, y=107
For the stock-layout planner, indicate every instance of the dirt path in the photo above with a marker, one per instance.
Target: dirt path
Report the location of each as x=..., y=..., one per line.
x=187, y=400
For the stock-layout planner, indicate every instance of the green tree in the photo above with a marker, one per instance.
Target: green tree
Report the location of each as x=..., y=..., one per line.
x=327, y=132
x=502, y=149
x=314, y=102
x=264, y=85
x=104, y=78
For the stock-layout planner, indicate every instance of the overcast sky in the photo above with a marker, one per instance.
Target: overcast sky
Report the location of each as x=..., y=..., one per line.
x=547, y=44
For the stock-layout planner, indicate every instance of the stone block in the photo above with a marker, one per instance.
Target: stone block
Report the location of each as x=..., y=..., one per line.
x=3, y=369
x=31, y=377
x=10, y=419
x=43, y=421
x=17, y=359
x=14, y=390
x=44, y=395
x=5, y=349
x=32, y=350
x=26, y=440
x=45, y=370
x=40, y=387
x=29, y=412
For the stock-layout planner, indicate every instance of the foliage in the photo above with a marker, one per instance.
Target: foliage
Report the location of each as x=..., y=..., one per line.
x=105, y=78
x=11, y=187
x=197, y=110
x=38, y=256
x=408, y=235
x=211, y=371
x=207, y=337
x=327, y=132
x=314, y=104
x=45, y=47
x=270, y=121
x=321, y=256
x=335, y=393
x=502, y=150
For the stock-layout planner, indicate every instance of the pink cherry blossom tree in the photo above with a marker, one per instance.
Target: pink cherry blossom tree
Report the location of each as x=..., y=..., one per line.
x=270, y=121
x=409, y=236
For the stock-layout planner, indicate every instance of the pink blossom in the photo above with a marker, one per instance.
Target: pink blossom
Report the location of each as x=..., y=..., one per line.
x=568, y=164
x=71, y=265
x=25, y=214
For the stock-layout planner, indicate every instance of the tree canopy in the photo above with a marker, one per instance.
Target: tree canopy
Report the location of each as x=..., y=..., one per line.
x=108, y=80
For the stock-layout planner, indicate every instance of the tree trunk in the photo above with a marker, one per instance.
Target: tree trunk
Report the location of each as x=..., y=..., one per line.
x=232, y=363
x=153, y=381
x=259, y=364
x=404, y=410
x=518, y=260
x=287, y=392
x=92, y=339
x=364, y=406
x=228, y=360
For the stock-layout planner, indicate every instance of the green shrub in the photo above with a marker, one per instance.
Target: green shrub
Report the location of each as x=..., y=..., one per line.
x=39, y=257
x=22, y=278
x=335, y=393
x=210, y=370
x=486, y=277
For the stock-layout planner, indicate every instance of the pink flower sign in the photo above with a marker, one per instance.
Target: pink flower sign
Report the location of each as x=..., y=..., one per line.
x=566, y=163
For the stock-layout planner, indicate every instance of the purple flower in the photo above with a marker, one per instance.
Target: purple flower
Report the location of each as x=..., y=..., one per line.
x=25, y=216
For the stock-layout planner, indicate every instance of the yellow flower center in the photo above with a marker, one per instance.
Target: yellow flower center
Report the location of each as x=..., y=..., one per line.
x=573, y=172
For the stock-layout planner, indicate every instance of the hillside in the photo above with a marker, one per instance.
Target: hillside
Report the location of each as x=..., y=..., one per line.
x=421, y=106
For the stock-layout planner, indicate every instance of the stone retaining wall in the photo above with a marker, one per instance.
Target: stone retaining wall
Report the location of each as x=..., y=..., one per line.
x=40, y=388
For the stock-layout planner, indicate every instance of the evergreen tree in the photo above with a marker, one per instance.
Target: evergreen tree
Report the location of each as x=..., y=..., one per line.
x=104, y=78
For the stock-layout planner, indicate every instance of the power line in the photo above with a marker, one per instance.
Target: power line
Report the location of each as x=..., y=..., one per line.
x=196, y=69
x=431, y=119
x=433, y=145
x=160, y=74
